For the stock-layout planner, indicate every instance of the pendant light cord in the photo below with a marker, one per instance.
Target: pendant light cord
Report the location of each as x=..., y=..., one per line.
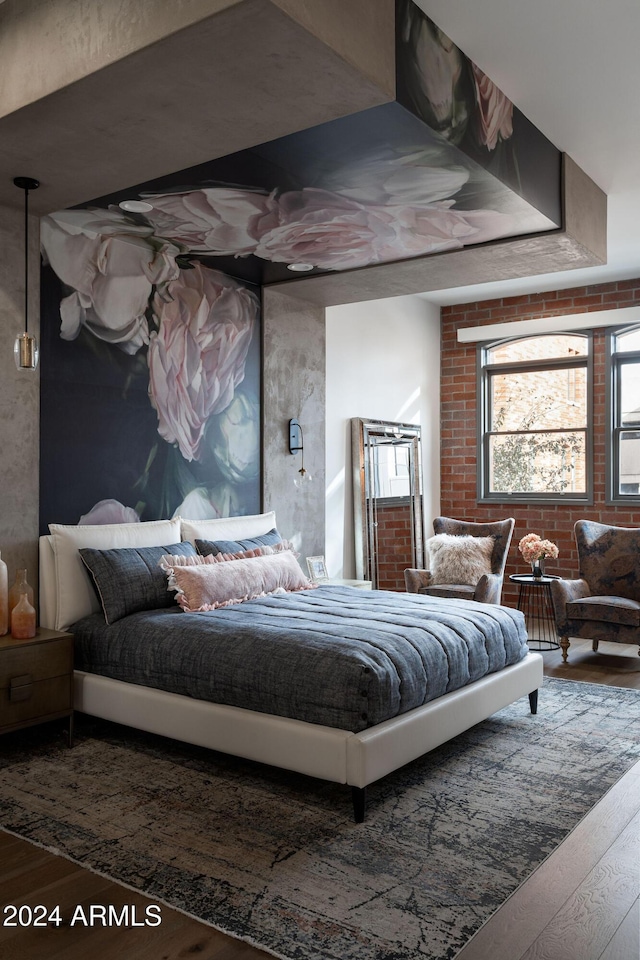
x=26, y=184
x=26, y=259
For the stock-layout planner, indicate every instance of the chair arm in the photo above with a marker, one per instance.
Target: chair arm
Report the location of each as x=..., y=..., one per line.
x=562, y=593
x=416, y=579
x=489, y=588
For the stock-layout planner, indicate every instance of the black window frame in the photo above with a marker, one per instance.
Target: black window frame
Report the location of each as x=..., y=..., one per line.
x=614, y=362
x=483, y=378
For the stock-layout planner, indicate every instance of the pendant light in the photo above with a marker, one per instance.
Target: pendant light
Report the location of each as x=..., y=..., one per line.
x=25, y=349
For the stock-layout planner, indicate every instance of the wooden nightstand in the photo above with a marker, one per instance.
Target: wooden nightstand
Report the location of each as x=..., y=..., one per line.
x=36, y=680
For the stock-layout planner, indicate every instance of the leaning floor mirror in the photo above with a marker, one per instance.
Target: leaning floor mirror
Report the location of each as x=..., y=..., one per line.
x=387, y=500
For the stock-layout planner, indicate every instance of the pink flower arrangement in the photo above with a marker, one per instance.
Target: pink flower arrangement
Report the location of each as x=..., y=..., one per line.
x=532, y=547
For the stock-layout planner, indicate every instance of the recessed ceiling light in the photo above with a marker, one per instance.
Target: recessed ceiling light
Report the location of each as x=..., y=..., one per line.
x=135, y=206
x=299, y=267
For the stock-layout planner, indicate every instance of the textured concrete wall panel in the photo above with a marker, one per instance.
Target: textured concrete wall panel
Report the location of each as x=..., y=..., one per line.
x=19, y=401
x=294, y=386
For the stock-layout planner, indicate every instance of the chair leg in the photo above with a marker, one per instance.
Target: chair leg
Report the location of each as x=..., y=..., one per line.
x=594, y=645
x=564, y=643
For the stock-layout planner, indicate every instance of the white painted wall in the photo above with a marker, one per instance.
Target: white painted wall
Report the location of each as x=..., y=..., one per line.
x=383, y=363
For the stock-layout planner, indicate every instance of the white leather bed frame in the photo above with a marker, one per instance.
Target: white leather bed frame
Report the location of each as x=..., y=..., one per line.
x=356, y=759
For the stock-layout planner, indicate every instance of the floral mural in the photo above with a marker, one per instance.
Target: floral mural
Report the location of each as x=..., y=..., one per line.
x=150, y=326
x=450, y=91
x=180, y=334
x=197, y=353
x=460, y=103
x=399, y=203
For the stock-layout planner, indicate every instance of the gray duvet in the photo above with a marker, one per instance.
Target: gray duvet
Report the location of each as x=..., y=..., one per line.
x=337, y=656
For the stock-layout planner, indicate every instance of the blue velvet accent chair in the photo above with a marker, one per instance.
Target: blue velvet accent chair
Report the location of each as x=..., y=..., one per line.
x=488, y=589
x=604, y=604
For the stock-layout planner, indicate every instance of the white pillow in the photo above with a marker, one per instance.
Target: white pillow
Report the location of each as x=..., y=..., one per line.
x=228, y=528
x=75, y=596
x=461, y=559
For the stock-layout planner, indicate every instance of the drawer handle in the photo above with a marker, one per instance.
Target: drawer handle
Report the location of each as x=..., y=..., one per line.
x=20, y=688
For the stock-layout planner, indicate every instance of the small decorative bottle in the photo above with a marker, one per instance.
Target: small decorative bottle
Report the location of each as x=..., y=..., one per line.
x=23, y=619
x=20, y=586
x=4, y=599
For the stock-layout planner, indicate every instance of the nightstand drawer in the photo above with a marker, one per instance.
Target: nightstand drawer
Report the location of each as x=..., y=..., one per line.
x=25, y=701
x=40, y=661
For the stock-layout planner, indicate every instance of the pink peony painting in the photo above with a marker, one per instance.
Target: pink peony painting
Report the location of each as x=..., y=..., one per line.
x=161, y=412
x=205, y=322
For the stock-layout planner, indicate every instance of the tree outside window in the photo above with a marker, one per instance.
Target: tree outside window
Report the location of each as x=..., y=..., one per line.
x=624, y=392
x=535, y=418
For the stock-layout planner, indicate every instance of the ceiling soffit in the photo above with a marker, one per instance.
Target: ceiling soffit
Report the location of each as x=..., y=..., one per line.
x=463, y=166
x=247, y=74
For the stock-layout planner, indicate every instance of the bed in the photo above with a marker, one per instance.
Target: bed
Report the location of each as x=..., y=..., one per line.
x=393, y=642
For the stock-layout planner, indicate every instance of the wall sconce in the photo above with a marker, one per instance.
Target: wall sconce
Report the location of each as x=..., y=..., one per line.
x=296, y=444
x=25, y=349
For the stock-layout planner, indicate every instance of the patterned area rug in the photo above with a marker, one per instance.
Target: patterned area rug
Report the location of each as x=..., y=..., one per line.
x=275, y=858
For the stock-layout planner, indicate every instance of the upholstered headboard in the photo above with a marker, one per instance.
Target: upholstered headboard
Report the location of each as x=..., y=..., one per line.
x=66, y=592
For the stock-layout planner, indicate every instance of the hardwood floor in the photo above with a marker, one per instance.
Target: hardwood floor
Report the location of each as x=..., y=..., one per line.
x=29, y=875
x=583, y=903
x=616, y=664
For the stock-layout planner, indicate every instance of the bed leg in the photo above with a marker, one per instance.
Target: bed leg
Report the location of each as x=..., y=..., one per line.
x=533, y=701
x=359, y=796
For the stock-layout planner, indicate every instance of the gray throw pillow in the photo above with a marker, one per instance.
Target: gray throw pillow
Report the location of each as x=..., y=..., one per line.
x=207, y=547
x=130, y=580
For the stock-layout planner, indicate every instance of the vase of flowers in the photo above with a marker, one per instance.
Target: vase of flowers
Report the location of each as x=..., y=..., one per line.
x=535, y=551
x=537, y=568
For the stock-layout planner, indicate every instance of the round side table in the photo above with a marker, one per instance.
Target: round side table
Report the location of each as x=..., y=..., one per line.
x=535, y=601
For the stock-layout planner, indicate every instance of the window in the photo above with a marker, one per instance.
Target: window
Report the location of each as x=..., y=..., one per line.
x=624, y=407
x=534, y=411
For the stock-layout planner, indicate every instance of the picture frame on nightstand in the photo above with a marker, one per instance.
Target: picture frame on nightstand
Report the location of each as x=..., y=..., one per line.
x=317, y=569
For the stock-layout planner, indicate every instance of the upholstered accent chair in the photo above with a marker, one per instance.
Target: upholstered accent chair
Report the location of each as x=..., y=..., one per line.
x=604, y=604
x=488, y=588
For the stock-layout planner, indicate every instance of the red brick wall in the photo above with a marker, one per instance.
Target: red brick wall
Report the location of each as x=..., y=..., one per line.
x=458, y=423
x=394, y=544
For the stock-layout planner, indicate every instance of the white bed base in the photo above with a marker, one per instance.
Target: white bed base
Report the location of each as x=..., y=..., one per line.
x=356, y=759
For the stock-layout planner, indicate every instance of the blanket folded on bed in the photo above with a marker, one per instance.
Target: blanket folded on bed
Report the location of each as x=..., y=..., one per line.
x=337, y=656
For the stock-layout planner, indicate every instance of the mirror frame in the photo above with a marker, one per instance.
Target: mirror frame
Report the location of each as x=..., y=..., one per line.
x=364, y=434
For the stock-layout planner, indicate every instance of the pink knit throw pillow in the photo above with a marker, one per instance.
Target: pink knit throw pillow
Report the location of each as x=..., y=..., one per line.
x=207, y=586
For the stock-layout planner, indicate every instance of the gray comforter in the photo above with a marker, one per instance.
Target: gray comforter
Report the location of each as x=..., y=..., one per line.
x=337, y=656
